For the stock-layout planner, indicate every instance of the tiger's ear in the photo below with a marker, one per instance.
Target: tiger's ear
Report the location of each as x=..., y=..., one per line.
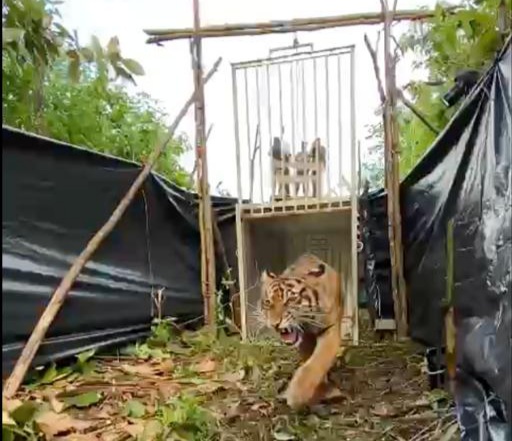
x=266, y=276
x=318, y=271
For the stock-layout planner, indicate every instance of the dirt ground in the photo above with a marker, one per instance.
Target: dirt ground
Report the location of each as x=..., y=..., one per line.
x=191, y=386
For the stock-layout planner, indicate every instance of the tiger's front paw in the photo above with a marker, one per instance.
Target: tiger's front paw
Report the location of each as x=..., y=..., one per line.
x=301, y=391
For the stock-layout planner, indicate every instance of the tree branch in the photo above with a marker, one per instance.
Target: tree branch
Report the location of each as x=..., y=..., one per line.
x=373, y=55
x=416, y=111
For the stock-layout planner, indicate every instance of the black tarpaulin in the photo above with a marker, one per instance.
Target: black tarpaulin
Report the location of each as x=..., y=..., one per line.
x=465, y=177
x=54, y=198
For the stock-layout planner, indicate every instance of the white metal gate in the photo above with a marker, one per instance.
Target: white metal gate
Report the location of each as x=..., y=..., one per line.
x=294, y=118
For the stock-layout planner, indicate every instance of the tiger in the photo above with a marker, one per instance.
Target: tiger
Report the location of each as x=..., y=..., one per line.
x=304, y=306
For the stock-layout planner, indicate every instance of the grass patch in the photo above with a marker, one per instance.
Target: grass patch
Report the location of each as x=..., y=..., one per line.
x=193, y=386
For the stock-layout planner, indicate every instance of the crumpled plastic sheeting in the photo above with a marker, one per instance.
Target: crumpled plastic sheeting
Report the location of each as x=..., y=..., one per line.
x=54, y=198
x=466, y=176
x=374, y=232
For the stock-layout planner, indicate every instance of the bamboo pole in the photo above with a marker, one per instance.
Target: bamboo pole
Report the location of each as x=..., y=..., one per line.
x=285, y=26
x=205, y=208
x=29, y=351
x=388, y=97
x=393, y=176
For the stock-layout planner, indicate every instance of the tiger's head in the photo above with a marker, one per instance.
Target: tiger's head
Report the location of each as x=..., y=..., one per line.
x=288, y=303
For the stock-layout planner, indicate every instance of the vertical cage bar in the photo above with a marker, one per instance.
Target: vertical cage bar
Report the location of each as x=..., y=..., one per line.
x=305, y=183
x=316, y=164
x=327, y=127
x=281, y=187
x=340, y=129
x=353, y=202
x=258, y=104
x=269, y=117
x=248, y=131
x=292, y=115
x=315, y=95
x=237, y=135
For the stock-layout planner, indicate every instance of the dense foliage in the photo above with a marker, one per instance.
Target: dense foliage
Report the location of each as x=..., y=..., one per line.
x=53, y=86
x=449, y=42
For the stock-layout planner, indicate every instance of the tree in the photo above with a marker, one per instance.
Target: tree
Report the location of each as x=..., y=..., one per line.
x=53, y=86
x=449, y=42
x=373, y=163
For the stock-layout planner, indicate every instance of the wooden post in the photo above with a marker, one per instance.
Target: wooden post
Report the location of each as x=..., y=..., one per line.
x=388, y=99
x=392, y=162
x=29, y=351
x=203, y=190
x=449, y=318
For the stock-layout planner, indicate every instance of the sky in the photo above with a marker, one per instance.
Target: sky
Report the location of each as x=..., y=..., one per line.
x=168, y=74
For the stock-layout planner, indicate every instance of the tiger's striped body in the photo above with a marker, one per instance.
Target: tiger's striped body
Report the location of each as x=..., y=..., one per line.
x=304, y=306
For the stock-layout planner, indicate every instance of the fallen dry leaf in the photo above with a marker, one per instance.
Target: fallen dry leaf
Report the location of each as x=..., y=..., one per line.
x=78, y=437
x=134, y=429
x=208, y=388
x=334, y=393
x=168, y=390
x=383, y=410
x=165, y=366
x=422, y=402
x=233, y=411
x=112, y=435
x=206, y=365
x=233, y=377
x=52, y=423
x=105, y=412
x=144, y=370
x=264, y=408
x=56, y=405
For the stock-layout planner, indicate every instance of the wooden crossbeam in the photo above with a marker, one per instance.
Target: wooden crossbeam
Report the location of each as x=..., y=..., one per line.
x=286, y=26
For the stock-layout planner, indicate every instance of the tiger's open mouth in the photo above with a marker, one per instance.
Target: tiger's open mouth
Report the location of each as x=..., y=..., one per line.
x=291, y=336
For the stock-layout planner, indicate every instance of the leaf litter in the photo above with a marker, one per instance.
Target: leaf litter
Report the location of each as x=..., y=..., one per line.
x=221, y=389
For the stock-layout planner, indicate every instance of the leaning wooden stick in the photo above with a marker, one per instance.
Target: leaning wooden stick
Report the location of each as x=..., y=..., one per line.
x=29, y=351
x=417, y=112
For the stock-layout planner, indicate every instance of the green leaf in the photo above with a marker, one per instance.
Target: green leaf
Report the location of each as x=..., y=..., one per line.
x=151, y=430
x=52, y=374
x=24, y=413
x=84, y=400
x=8, y=434
x=177, y=349
x=134, y=409
x=88, y=54
x=133, y=66
x=123, y=73
x=10, y=35
x=113, y=49
x=96, y=47
x=85, y=356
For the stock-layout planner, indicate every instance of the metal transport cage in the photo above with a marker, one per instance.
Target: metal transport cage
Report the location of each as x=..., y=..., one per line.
x=296, y=154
